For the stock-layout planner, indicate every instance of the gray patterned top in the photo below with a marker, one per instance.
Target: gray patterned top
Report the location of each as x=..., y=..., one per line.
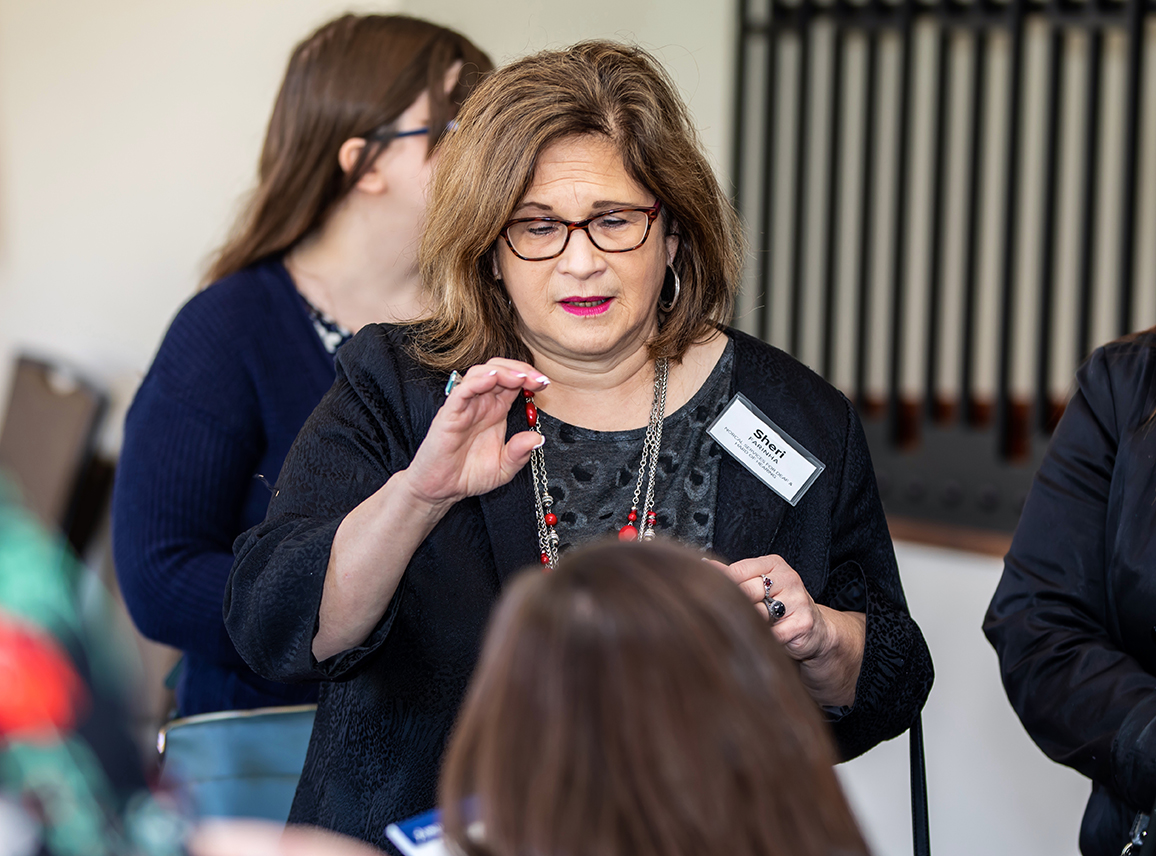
x=593, y=473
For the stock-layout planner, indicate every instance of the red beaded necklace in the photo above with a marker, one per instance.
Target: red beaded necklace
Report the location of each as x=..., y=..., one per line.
x=636, y=529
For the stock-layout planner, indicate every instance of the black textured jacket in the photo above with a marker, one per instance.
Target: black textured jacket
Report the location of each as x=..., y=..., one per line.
x=387, y=706
x=1074, y=616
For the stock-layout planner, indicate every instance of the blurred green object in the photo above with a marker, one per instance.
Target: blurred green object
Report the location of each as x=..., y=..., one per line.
x=68, y=789
x=38, y=573
x=79, y=777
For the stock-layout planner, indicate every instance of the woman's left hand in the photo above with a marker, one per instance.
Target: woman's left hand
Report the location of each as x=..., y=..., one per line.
x=827, y=644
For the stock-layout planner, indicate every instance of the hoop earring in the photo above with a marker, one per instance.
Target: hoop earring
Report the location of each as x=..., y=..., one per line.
x=668, y=307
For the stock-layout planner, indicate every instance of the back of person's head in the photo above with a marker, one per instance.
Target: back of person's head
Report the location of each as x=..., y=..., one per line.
x=633, y=703
x=352, y=78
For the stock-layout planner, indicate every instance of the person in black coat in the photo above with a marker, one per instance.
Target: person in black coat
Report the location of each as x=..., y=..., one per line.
x=1074, y=617
x=582, y=289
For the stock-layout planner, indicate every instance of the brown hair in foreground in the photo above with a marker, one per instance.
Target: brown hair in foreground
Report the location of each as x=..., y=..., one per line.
x=632, y=703
x=353, y=77
x=487, y=165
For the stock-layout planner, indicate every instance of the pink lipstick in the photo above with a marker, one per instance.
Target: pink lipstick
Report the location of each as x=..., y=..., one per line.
x=586, y=305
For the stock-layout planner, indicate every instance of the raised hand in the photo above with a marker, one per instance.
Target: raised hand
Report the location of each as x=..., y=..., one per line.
x=465, y=452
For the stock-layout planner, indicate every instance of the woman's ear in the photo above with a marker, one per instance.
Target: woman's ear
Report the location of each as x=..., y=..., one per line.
x=671, y=247
x=349, y=153
x=372, y=179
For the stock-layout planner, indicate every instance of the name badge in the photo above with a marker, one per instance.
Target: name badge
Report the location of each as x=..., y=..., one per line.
x=765, y=449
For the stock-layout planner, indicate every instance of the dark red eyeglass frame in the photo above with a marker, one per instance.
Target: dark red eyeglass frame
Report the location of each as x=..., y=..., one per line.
x=651, y=215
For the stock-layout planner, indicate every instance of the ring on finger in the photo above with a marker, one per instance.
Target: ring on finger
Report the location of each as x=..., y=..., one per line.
x=454, y=379
x=768, y=583
x=776, y=609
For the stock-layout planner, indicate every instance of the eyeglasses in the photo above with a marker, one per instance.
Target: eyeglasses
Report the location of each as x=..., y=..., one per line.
x=537, y=239
x=415, y=132
x=385, y=134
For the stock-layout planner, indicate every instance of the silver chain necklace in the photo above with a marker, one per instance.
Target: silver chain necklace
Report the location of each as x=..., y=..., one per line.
x=639, y=526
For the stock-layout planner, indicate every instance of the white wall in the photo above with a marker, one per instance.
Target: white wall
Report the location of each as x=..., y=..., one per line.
x=129, y=129
x=694, y=40
x=991, y=791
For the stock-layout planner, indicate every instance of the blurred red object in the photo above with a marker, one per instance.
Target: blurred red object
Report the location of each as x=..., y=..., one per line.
x=43, y=696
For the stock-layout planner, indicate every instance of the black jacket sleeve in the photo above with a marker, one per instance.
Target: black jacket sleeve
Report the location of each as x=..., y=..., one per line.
x=359, y=435
x=896, y=675
x=1086, y=702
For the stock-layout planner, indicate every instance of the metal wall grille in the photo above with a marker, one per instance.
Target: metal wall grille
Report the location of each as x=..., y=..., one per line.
x=948, y=206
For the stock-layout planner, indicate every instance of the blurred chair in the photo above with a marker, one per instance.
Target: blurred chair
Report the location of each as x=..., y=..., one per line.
x=46, y=446
x=243, y=763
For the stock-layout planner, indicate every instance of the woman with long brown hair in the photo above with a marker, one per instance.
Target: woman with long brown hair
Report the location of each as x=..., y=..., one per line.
x=326, y=244
x=632, y=704
x=1074, y=617
x=581, y=260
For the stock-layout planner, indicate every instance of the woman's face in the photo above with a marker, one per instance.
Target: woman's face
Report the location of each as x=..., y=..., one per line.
x=406, y=166
x=585, y=305
x=405, y=162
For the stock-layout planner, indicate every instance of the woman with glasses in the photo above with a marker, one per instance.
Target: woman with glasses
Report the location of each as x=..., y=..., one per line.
x=581, y=261
x=325, y=245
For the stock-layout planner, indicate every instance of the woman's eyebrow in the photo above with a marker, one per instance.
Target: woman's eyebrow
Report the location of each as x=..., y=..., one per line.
x=538, y=206
x=595, y=207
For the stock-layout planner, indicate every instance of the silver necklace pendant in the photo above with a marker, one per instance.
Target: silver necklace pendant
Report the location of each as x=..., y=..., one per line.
x=640, y=524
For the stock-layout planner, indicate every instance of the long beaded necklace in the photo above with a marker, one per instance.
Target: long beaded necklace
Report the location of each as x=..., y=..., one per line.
x=637, y=528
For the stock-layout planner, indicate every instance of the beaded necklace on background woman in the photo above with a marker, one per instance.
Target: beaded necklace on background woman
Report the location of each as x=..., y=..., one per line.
x=325, y=245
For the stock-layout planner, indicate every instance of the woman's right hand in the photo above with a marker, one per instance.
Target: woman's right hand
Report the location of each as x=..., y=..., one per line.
x=465, y=452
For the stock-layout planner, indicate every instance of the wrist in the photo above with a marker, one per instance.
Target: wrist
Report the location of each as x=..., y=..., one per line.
x=829, y=645
x=417, y=500
x=832, y=672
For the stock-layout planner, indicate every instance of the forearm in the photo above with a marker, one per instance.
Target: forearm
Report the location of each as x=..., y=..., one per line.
x=830, y=677
x=371, y=550
x=1106, y=727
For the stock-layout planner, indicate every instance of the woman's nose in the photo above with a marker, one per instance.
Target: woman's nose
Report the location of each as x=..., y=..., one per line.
x=581, y=258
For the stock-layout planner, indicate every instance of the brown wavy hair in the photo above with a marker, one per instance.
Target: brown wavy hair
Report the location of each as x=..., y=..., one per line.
x=632, y=703
x=353, y=77
x=487, y=165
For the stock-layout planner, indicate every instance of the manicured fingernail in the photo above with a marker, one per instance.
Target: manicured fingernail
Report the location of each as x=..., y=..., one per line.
x=520, y=374
x=541, y=442
x=491, y=374
x=542, y=379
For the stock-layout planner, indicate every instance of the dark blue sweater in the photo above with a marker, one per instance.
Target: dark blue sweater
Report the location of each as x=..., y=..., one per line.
x=237, y=374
